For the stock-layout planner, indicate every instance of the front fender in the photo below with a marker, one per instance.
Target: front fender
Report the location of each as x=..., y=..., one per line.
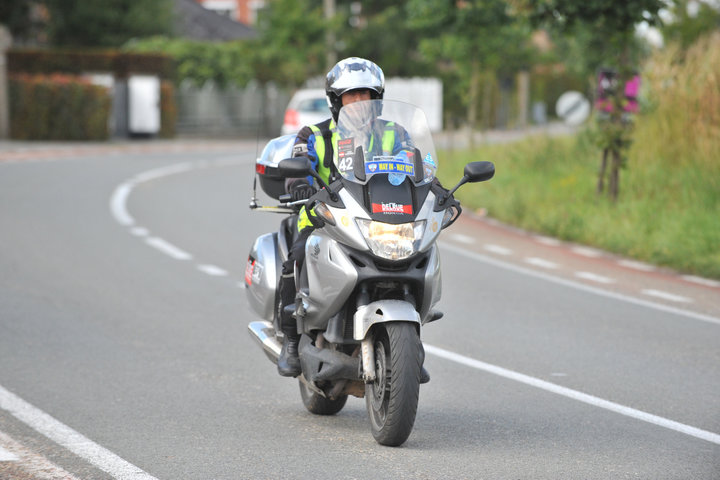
x=383, y=311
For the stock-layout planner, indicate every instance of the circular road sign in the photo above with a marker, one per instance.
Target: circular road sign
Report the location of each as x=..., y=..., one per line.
x=573, y=108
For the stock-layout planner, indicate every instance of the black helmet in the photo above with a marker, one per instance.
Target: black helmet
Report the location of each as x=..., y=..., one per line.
x=353, y=73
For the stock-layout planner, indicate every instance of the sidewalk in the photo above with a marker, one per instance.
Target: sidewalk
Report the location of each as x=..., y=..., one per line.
x=16, y=151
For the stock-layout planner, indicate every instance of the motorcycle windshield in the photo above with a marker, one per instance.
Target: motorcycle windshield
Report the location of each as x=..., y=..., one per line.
x=384, y=137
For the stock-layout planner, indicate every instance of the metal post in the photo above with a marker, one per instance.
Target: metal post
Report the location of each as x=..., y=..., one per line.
x=5, y=43
x=331, y=54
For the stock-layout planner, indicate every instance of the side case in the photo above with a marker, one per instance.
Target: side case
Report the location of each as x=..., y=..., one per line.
x=262, y=273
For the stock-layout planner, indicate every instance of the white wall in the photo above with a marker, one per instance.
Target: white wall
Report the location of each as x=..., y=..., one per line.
x=426, y=93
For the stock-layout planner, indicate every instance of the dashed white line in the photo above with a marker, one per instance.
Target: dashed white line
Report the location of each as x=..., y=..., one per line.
x=168, y=248
x=666, y=296
x=497, y=249
x=593, y=277
x=643, y=267
x=553, y=242
x=463, y=238
x=701, y=281
x=587, y=252
x=213, y=270
x=575, y=395
x=70, y=439
x=541, y=262
x=580, y=286
x=118, y=204
x=140, y=231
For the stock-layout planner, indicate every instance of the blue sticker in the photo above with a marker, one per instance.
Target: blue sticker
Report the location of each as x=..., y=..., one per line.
x=429, y=159
x=396, y=179
x=389, y=167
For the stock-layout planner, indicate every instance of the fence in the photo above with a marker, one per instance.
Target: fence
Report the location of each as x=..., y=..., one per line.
x=232, y=111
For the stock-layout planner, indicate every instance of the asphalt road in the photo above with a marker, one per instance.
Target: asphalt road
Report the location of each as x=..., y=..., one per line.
x=124, y=351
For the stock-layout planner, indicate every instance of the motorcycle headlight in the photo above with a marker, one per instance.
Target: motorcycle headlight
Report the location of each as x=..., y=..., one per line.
x=394, y=242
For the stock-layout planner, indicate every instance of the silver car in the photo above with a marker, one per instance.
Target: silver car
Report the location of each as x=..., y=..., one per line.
x=306, y=107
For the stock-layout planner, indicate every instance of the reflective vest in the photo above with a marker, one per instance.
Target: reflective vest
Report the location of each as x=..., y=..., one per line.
x=326, y=157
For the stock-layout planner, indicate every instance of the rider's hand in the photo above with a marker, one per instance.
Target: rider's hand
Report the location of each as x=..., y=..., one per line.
x=301, y=190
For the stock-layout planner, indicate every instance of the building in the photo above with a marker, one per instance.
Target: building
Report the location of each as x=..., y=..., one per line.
x=243, y=11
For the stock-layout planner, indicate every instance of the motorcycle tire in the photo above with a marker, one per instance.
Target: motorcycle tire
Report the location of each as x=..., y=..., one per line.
x=319, y=405
x=392, y=399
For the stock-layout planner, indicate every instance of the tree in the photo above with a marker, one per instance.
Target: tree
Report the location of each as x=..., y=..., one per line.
x=609, y=25
x=106, y=23
x=691, y=19
x=473, y=38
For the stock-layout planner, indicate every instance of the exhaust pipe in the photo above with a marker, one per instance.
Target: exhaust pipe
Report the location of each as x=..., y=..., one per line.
x=264, y=333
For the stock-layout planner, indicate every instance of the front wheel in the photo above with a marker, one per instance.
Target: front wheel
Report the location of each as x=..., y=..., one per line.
x=319, y=405
x=392, y=398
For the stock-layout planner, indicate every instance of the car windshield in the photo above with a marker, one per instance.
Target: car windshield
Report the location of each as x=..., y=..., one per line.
x=384, y=137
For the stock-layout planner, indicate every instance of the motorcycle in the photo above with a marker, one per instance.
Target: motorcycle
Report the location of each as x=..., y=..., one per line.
x=371, y=276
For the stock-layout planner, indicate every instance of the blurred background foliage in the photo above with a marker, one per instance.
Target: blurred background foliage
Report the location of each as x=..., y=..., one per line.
x=475, y=46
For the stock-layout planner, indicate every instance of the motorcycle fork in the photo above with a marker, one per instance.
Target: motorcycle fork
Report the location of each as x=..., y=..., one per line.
x=367, y=345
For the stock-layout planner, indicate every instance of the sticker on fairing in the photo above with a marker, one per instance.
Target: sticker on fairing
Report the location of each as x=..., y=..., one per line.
x=249, y=270
x=346, y=149
x=388, y=165
x=391, y=207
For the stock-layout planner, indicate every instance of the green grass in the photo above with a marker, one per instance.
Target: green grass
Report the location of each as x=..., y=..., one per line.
x=668, y=213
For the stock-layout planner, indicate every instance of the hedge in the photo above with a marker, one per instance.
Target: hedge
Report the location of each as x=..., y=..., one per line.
x=121, y=64
x=57, y=107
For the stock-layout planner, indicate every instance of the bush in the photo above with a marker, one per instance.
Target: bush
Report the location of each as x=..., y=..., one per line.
x=57, y=107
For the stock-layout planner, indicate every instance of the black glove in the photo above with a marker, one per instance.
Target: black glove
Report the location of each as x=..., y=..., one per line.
x=301, y=190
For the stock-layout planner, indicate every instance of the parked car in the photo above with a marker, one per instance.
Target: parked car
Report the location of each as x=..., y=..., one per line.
x=306, y=107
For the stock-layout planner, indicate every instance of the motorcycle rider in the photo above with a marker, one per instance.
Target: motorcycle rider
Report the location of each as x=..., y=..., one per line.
x=350, y=80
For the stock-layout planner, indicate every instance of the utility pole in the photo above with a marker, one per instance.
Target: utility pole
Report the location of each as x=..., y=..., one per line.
x=330, y=53
x=5, y=43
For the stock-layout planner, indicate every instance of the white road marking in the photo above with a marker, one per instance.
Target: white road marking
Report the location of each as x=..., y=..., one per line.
x=463, y=238
x=666, y=296
x=701, y=281
x=70, y=439
x=541, y=262
x=593, y=277
x=553, y=242
x=118, y=204
x=29, y=463
x=140, y=231
x=6, y=456
x=587, y=252
x=497, y=249
x=213, y=270
x=579, y=286
x=644, y=267
x=575, y=395
x=168, y=248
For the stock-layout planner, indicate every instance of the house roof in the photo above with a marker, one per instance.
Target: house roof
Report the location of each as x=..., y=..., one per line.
x=194, y=21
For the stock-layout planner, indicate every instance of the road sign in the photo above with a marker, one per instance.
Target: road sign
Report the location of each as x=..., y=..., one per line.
x=573, y=108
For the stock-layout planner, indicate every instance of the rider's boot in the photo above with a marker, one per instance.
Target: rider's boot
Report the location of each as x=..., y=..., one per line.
x=424, y=375
x=288, y=364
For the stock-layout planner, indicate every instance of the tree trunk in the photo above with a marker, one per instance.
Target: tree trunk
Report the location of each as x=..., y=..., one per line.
x=601, y=173
x=614, y=187
x=473, y=101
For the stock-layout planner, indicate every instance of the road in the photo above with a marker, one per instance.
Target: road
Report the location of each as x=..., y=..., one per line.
x=124, y=351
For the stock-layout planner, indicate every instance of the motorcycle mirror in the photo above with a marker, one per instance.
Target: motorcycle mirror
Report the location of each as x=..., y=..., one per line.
x=295, y=167
x=474, y=172
x=479, y=171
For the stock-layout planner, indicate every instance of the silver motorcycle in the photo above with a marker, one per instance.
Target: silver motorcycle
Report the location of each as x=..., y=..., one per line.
x=371, y=276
